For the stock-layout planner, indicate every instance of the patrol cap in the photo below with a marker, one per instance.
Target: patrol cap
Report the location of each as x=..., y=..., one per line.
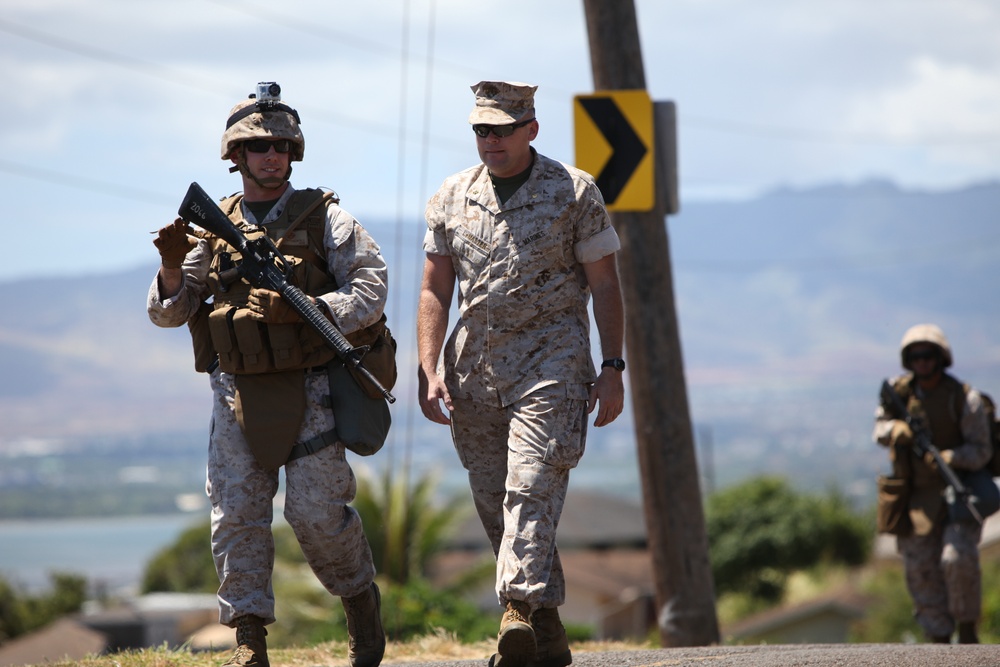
x=502, y=102
x=925, y=333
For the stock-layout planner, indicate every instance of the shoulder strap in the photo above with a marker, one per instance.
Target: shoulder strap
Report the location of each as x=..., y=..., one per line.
x=326, y=196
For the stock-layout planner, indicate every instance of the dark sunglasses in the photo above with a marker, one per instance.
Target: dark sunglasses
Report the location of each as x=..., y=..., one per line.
x=917, y=356
x=483, y=130
x=263, y=145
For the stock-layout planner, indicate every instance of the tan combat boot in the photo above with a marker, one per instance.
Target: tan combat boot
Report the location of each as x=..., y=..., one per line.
x=550, y=638
x=364, y=625
x=251, y=649
x=516, y=641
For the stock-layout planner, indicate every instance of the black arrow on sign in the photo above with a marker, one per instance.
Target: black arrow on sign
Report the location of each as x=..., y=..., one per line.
x=626, y=146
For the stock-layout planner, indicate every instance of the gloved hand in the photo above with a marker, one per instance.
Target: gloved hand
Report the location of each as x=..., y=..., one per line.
x=902, y=434
x=174, y=243
x=269, y=306
x=947, y=455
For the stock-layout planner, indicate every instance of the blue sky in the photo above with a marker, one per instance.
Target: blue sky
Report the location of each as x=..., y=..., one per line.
x=114, y=106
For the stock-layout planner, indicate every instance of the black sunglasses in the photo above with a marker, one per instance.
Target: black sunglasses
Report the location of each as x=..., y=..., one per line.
x=483, y=130
x=926, y=354
x=263, y=145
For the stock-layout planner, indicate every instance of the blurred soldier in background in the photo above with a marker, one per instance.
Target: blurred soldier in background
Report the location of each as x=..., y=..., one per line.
x=940, y=555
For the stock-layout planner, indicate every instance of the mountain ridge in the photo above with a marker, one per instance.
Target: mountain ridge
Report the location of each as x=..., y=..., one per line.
x=791, y=306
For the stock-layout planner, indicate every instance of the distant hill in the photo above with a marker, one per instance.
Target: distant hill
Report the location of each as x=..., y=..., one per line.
x=791, y=307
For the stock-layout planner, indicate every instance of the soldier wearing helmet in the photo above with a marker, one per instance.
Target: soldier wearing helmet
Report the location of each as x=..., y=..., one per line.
x=272, y=380
x=940, y=554
x=262, y=118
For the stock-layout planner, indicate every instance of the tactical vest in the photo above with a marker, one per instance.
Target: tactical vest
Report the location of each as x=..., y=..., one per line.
x=247, y=346
x=941, y=412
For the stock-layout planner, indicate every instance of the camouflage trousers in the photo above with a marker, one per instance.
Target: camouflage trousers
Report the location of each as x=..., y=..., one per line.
x=943, y=576
x=318, y=489
x=518, y=459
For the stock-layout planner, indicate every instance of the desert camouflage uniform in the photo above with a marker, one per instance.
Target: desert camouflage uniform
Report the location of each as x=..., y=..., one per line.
x=518, y=364
x=318, y=487
x=941, y=558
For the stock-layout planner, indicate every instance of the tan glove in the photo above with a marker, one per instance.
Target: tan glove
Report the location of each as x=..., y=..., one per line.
x=946, y=456
x=270, y=307
x=902, y=434
x=174, y=243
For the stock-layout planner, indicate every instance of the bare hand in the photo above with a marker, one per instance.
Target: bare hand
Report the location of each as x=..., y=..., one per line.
x=431, y=393
x=609, y=393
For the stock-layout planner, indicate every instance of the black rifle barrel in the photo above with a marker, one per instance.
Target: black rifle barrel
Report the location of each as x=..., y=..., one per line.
x=259, y=269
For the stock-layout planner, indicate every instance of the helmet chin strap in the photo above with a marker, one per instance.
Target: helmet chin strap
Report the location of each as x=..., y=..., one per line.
x=241, y=166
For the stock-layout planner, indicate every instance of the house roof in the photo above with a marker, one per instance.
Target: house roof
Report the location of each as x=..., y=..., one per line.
x=589, y=520
x=846, y=604
x=65, y=639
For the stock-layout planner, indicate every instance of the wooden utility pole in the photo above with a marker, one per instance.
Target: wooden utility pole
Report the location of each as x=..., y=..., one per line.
x=668, y=468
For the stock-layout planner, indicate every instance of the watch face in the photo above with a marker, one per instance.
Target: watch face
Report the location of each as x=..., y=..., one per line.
x=617, y=364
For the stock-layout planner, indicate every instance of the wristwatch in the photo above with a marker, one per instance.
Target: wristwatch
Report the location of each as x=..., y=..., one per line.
x=617, y=363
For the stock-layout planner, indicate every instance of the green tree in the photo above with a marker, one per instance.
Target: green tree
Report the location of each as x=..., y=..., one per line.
x=186, y=566
x=404, y=526
x=761, y=531
x=21, y=612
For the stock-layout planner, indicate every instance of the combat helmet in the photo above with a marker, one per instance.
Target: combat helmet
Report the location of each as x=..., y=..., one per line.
x=263, y=116
x=925, y=333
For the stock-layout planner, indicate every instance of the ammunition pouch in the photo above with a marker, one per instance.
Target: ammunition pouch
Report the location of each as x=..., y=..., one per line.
x=892, y=516
x=204, y=351
x=248, y=346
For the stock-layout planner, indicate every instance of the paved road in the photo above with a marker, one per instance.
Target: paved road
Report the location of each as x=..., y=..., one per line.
x=804, y=655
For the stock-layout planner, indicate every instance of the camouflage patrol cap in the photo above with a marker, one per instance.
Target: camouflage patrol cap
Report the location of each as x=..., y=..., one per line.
x=925, y=333
x=269, y=119
x=502, y=102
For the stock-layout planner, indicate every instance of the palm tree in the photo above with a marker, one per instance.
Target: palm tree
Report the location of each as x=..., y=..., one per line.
x=404, y=526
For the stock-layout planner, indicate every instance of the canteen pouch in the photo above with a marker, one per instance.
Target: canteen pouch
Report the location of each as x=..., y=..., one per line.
x=985, y=496
x=362, y=422
x=892, y=515
x=379, y=360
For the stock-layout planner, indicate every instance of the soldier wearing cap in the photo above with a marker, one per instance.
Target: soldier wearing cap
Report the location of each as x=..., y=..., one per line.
x=529, y=242
x=270, y=379
x=940, y=555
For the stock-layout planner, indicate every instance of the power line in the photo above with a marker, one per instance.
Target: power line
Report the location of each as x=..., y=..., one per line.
x=219, y=88
x=175, y=76
x=85, y=183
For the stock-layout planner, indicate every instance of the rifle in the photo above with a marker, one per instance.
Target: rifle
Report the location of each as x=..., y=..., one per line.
x=264, y=266
x=922, y=441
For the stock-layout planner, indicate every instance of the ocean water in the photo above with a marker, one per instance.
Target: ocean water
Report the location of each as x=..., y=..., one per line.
x=111, y=553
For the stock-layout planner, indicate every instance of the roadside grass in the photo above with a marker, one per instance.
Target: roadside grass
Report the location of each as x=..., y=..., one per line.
x=439, y=647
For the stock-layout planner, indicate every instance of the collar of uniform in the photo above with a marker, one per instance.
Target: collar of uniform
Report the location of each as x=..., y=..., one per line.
x=276, y=210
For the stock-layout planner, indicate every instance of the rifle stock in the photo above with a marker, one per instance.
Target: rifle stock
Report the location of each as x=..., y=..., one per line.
x=259, y=266
x=922, y=441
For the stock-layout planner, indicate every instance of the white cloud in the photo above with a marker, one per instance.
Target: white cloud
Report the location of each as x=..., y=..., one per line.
x=769, y=93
